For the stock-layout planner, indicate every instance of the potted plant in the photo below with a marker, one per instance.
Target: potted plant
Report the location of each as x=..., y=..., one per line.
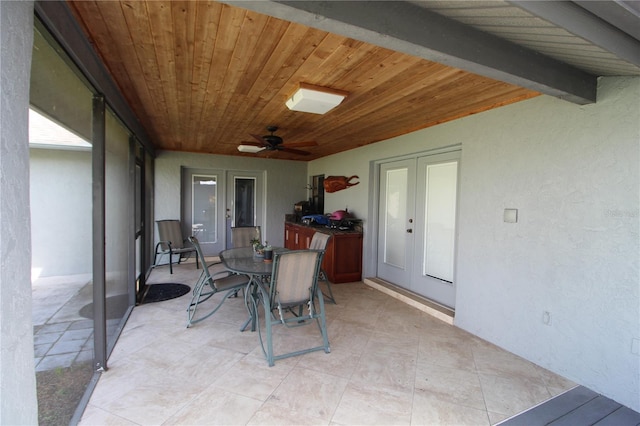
x=258, y=247
x=268, y=252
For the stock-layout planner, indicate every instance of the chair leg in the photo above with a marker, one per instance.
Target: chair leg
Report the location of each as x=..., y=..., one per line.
x=254, y=300
x=199, y=297
x=323, y=322
x=170, y=261
x=324, y=278
x=269, y=331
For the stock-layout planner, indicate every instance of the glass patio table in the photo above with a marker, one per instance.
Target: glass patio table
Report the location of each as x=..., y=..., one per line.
x=244, y=261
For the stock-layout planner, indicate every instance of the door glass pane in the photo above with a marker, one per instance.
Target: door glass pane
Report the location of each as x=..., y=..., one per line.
x=204, y=212
x=395, y=217
x=244, y=201
x=440, y=215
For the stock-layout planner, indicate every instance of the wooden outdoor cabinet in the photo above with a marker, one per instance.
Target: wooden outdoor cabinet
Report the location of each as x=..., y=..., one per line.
x=343, y=256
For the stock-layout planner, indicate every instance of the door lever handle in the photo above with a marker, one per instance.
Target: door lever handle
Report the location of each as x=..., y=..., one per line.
x=409, y=231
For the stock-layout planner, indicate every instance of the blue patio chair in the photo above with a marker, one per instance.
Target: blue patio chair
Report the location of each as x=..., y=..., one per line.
x=213, y=279
x=292, y=290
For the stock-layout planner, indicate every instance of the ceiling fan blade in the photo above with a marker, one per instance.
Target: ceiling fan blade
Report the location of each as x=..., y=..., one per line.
x=293, y=151
x=261, y=144
x=300, y=144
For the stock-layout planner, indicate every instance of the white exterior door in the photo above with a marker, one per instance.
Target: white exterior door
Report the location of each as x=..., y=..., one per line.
x=203, y=202
x=244, y=206
x=395, y=226
x=417, y=225
x=435, y=230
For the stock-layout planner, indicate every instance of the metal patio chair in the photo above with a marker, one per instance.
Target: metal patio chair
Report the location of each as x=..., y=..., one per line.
x=172, y=243
x=319, y=241
x=213, y=279
x=241, y=236
x=292, y=290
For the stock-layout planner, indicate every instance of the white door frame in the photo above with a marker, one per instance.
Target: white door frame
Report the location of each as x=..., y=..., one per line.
x=371, y=249
x=224, y=203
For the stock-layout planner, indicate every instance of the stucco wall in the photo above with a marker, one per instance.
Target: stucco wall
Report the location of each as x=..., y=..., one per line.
x=285, y=185
x=18, y=402
x=61, y=211
x=573, y=174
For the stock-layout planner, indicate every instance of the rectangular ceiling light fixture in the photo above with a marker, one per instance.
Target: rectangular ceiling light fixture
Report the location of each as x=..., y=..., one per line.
x=315, y=99
x=250, y=148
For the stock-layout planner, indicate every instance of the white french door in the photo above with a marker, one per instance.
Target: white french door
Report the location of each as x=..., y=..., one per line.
x=244, y=206
x=417, y=225
x=215, y=200
x=203, y=202
x=395, y=226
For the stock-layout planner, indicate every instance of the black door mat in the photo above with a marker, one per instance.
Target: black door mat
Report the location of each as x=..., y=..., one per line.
x=165, y=291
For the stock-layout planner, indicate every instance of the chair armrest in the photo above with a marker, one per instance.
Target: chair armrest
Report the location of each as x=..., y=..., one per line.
x=168, y=243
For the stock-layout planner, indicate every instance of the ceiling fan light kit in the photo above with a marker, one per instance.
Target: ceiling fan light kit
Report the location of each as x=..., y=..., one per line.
x=273, y=142
x=315, y=99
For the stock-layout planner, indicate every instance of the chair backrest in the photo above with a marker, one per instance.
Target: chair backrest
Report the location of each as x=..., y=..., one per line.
x=171, y=231
x=196, y=244
x=210, y=270
x=319, y=241
x=241, y=236
x=295, y=277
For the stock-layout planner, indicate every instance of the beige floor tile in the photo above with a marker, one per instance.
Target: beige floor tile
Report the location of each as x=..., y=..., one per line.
x=388, y=369
x=364, y=404
x=497, y=417
x=511, y=395
x=96, y=416
x=152, y=400
x=311, y=392
x=428, y=409
x=448, y=350
x=339, y=362
x=344, y=335
x=556, y=384
x=252, y=377
x=493, y=360
x=215, y=407
x=456, y=386
x=358, y=315
x=272, y=414
x=393, y=342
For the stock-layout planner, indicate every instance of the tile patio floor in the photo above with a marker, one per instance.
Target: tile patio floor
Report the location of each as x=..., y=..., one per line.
x=390, y=364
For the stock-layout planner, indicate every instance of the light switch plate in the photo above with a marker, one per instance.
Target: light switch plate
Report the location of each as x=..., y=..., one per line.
x=511, y=215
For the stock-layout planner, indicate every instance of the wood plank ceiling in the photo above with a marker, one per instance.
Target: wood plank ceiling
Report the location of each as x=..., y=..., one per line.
x=202, y=76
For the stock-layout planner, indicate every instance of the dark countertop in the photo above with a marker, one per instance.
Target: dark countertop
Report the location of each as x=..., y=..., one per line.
x=327, y=230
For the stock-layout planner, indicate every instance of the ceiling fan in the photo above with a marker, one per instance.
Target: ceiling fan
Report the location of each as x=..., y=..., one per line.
x=272, y=142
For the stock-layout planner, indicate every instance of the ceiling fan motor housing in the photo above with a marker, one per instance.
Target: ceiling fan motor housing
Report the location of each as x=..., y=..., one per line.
x=273, y=140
